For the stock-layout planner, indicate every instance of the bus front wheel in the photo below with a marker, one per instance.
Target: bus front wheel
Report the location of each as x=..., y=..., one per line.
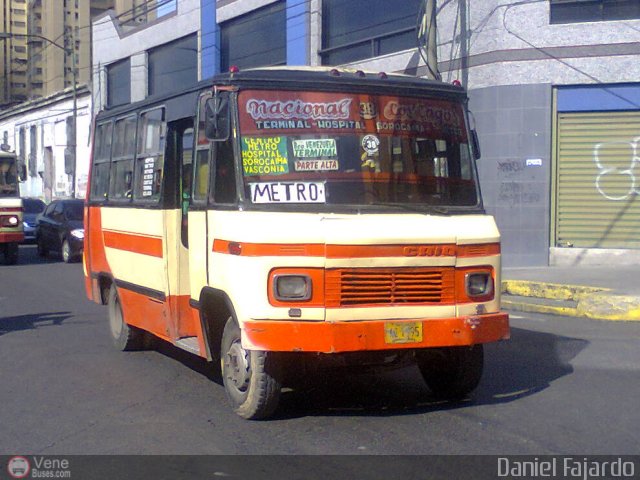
x=251, y=377
x=125, y=337
x=451, y=372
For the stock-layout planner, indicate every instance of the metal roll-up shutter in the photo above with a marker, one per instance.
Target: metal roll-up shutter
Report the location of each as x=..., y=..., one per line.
x=598, y=180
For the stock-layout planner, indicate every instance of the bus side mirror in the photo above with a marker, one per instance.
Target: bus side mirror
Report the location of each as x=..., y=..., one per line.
x=475, y=145
x=216, y=122
x=22, y=172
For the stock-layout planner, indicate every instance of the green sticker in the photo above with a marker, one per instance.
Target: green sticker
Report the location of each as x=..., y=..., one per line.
x=265, y=155
x=323, y=147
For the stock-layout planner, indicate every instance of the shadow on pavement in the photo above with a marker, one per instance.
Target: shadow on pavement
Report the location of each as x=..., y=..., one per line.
x=32, y=321
x=522, y=366
x=194, y=362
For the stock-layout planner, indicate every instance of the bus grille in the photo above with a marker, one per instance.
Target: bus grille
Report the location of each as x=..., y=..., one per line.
x=389, y=286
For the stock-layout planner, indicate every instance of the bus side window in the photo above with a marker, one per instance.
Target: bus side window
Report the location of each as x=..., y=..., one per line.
x=201, y=175
x=101, y=162
x=152, y=132
x=121, y=181
x=200, y=185
x=224, y=190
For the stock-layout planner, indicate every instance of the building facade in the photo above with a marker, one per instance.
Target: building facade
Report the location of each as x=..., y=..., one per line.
x=40, y=131
x=553, y=85
x=13, y=52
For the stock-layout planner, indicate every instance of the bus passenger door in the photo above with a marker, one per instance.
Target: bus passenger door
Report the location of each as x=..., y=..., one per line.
x=184, y=321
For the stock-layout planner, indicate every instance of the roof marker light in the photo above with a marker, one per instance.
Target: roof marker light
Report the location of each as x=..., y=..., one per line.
x=457, y=83
x=335, y=72
x=234, y=69
x=360, y=73
x=382, y=75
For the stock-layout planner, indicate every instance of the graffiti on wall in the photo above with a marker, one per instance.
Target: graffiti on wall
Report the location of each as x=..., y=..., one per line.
x=608, y=168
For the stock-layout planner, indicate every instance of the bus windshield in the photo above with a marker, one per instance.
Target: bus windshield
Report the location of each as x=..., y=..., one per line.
x=355, y=150
x=8, y=178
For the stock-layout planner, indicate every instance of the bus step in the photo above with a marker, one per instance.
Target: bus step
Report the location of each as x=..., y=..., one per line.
x=190, y=344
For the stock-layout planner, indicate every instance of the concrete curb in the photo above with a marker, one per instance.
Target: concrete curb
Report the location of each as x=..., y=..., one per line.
x=590, y=302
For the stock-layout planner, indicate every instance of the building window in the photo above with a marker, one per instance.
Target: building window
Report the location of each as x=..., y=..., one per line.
x=119, y=83
x=173, y=66
x=257, y=39
x=575, y=11
x=361, y=29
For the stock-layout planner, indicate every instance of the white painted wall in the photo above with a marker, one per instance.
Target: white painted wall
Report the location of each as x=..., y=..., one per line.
x=51, y=131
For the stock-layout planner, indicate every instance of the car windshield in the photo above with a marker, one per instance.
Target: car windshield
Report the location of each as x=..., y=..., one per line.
x=74, y=211
x=8, y=178
x=356, y=150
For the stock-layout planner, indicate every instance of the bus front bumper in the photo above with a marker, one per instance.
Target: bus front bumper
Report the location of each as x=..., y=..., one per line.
x=352, y=336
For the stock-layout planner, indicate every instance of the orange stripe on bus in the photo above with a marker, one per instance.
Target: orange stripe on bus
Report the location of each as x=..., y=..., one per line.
x=269, y=249
x=353, y=251
x=374, y=251
x=133, y=242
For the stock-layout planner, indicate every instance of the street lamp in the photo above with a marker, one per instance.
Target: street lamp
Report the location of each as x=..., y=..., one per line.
x=72, y=51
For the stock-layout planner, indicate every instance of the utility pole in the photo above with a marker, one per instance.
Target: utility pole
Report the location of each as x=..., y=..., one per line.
x=74, y=140
x=428, y=39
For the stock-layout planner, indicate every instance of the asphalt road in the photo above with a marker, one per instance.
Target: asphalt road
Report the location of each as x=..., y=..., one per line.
x=559, y=386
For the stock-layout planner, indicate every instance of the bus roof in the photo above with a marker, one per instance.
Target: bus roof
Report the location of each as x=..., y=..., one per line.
x=182, y=104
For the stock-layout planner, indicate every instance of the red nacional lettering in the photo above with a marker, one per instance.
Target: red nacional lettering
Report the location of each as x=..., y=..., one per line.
x=298, y=109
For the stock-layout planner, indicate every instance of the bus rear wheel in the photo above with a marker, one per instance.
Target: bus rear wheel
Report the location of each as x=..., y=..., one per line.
x=124, y=336
x=251, y=378
x=451, y=373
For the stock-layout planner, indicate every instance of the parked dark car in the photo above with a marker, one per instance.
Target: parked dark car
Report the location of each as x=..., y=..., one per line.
x=32, y=207
x=60, y=229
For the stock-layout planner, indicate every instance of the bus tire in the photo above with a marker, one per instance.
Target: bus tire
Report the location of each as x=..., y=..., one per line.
x=451, y=373
x=250, y=377
x=124, y=336
x=11, y=253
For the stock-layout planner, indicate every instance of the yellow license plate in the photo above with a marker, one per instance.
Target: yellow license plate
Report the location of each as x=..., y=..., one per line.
x=402, y=332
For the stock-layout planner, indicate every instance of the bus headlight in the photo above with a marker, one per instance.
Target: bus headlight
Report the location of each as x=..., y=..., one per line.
x=9, y=221
x=78, y=233
x=479, y=284
x=291, y=288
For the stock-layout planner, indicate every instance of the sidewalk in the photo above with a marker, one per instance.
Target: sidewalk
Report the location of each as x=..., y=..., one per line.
x=603, y=293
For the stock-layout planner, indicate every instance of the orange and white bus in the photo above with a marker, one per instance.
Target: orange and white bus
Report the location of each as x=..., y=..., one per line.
x=273, y=218
x=11, y=227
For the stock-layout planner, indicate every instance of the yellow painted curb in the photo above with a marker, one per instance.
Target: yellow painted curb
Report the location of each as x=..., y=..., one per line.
x=537, y=308
x=553, y=291
x=591, y=302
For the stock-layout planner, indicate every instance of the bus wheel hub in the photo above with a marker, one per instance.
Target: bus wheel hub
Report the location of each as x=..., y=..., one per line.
x=239, y=371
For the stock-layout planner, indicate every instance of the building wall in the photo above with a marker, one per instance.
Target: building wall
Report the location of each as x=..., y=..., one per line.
x=514, y=125
x=506, y=53
x=49, y=116
x=113, y=41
